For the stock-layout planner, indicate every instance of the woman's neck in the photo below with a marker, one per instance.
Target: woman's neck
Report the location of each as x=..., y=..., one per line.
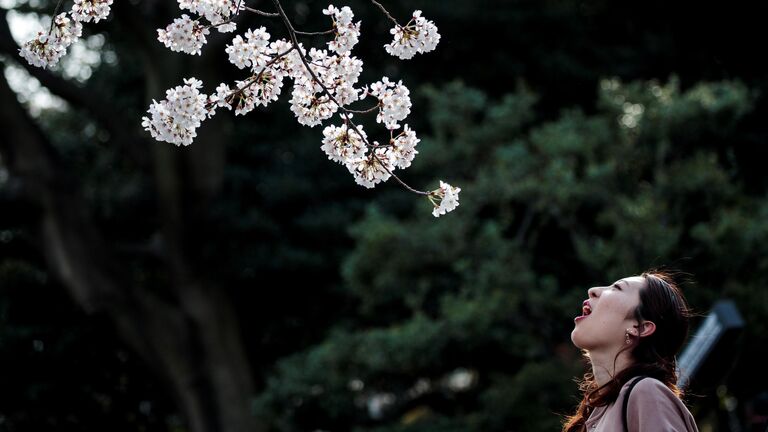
x=605, y=364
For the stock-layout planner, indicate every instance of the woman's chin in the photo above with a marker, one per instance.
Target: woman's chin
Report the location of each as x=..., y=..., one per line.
x=575, y=339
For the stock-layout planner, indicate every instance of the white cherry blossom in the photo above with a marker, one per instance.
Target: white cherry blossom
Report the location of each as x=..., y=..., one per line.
x=324, y=83
x=372, y=169
x=445, y=199
x=347, y=32
x=217, y=12
x=343, y=144
x=46, y=49
x=87, y=10
x=223, y=97
x=394, y=102
x=418, y=36
x=254, y=51
x=309, y=105
x=404, y=148
x=261, y=90
x=184, y=35
x=176, y=119
x=290, y=64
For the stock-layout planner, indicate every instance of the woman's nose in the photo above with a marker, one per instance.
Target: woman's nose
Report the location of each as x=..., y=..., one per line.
x=593, y=292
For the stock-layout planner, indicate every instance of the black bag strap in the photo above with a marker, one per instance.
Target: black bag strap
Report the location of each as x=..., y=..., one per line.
x=626, y=401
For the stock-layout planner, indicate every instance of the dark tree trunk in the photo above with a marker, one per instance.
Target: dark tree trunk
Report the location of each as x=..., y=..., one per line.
x=192, y=340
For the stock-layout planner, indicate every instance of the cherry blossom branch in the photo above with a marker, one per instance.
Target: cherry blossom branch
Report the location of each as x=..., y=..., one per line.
x=398, y=178
x=294, y=40
x=317, y=95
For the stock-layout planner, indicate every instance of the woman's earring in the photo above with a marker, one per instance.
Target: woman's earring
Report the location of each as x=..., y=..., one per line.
x=627, y=339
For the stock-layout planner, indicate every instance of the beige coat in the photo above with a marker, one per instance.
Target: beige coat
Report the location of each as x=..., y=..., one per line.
x=652, y=408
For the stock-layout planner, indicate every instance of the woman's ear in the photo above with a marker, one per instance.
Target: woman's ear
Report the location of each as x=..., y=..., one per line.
x=646, y=328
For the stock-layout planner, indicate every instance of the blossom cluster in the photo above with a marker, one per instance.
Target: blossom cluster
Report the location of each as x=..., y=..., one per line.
x=320, y=86
x=325, y=83
x=445, y=199
x=218, y=12
x=47, y=47
x=348, y=147
x=394, y=102
x=176, y=119
x=188, y=35
x=347, y=32
x=418, y=36
x=184, y=35
x=87, y=10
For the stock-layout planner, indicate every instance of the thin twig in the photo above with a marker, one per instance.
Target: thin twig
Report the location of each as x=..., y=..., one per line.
x=371, y=109
x=294, y=40
x=385, y=12
x=315, y=33
x=53, y=18
x=262, y=13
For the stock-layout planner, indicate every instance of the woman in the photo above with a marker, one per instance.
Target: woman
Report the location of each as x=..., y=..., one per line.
x=632, y=328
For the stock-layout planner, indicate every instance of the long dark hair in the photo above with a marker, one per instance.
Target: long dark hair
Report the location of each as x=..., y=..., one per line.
x=662, y=302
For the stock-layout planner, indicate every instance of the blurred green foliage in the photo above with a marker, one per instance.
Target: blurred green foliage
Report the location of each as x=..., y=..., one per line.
x=547, y=208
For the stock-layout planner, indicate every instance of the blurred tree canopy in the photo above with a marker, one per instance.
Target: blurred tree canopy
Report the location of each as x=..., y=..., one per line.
x=246, y=283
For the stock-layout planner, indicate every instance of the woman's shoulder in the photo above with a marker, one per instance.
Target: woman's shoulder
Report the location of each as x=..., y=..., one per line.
x=649, y=391
x=648, y=386
x=655, y=406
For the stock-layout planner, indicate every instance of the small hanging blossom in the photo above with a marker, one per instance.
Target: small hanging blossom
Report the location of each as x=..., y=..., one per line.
x=404, y=148
x=394, y=102
x=253, y=51
x=445, y=199
x=347, y=32
x=343, y=144
x=87, y=10
x=184, y=35
x=372, y=169
x=418, y=36
x=47, y=48
x=176, y=118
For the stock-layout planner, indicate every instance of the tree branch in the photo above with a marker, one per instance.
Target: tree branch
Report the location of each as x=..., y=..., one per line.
x=344, y=111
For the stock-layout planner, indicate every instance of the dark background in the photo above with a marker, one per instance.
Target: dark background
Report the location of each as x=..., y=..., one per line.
x=246, y=283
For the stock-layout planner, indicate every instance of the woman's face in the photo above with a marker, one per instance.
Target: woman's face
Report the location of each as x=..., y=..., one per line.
x=607, y=314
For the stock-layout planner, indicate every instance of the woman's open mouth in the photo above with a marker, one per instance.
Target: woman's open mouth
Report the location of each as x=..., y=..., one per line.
x=586, y=309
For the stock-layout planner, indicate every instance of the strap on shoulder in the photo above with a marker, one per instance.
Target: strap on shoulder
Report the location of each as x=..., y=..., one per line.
x=626, y=401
